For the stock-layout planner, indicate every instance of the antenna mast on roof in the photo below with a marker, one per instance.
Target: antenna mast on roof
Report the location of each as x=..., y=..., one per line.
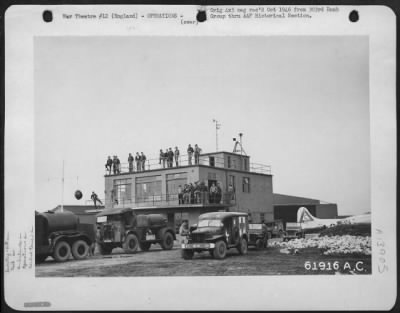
x=217, y=126
x=238, y=145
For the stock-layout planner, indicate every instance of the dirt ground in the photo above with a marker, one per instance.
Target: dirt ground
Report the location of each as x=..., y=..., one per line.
x=158, y=262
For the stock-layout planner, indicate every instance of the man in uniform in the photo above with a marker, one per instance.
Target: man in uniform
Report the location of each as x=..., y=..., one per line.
x=109, y=164
x=170, y=159
x=143, y=161
x=197, y=152
x=130, y=161
x=95, y=199
x=138, y=163
x=190, y=154
x=176, y=156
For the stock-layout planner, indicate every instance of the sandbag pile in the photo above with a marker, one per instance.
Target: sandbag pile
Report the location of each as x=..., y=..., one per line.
x=333, y=245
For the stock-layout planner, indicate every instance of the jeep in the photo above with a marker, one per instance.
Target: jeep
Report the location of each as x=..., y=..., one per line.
x=217, y=232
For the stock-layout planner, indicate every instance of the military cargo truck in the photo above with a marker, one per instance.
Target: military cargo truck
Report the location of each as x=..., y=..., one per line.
x=122, y=228
x=61, y=234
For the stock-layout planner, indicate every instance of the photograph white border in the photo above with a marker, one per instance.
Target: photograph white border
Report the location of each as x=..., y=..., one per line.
x=353, y=292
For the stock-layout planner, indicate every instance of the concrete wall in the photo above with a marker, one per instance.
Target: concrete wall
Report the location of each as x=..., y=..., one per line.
x=258, y=201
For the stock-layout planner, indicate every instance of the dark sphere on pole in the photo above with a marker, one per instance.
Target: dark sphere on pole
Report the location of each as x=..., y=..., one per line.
x=78, y=195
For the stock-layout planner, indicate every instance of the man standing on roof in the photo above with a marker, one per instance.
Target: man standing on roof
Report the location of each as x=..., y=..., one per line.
x=170, y=159
x=190, y=154
x=115, y=165
x=197, y=152
x=162, y=158
x=95, y=198
x=143, y=160
x=177, y=156
x=138, y=164
x=109, y=164
x=130, y=161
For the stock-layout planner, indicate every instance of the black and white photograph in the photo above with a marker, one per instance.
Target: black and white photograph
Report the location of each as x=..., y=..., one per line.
x=200, y=154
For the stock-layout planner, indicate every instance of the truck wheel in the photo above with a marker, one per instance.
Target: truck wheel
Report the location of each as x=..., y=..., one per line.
x=40, y=258
x=104, y=249
x=259, y=244
x=80, y=249
x=187, y=254
x=145, y=246
x=220, y=250
x=62, y=251
x=131, y=243
x=242, y=248
x=167, y=241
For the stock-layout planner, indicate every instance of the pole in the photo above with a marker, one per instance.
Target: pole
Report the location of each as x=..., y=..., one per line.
x=217, y=126
x=62, y=188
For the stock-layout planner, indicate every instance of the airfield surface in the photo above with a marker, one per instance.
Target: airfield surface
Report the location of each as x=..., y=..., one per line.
x=157, y=262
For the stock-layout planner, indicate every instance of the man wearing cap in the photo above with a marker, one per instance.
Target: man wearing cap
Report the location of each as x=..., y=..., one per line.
x=109, y=163
x=138, y=163
x=115, y=164
x=130, y=161
x=95, y=198
x=176, y=156
x=170, y=159
x=190, y=154
x=143, y=161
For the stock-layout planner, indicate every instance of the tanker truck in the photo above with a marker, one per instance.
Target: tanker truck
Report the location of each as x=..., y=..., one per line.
x=61, y=234
x=122, y=228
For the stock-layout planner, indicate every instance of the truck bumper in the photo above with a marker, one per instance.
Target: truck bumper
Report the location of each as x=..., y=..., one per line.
x=198, y=245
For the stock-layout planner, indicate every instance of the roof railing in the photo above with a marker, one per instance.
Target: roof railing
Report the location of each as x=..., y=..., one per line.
x=186, y=160
x=185, y=199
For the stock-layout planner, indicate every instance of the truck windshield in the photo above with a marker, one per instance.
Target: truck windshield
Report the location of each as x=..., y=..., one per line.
x=210, y=223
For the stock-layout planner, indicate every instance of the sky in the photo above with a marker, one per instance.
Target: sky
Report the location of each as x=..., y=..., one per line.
x=301, y=102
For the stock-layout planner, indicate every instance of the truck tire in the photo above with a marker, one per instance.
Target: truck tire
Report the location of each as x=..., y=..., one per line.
x=187, y=254
x=131, y=243
x=145, y=246
x=104, y=249
x=242, y=247
x=62, y=251
x=80, y=250
x=168, y=241
x=40, y=258
x=220, y=250
x=259, y=244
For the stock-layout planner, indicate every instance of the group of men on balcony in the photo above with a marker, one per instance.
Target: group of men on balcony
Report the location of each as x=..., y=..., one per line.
x=199, y=193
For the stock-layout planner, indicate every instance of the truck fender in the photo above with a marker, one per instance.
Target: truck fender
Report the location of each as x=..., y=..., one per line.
x=132, y=232
x=162, y=231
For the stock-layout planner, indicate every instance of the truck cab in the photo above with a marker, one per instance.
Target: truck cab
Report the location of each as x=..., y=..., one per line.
x=258, y=235
x=123, y=228
x=217, y=232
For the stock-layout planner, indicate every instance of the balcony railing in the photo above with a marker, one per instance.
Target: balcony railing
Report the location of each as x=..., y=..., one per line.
x=199, y=198
x=185, y=160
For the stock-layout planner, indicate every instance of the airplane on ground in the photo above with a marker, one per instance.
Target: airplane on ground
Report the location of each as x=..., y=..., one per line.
x=308, y=222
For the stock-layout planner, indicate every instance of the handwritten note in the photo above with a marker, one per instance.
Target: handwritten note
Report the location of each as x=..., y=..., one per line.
x=19, y=255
